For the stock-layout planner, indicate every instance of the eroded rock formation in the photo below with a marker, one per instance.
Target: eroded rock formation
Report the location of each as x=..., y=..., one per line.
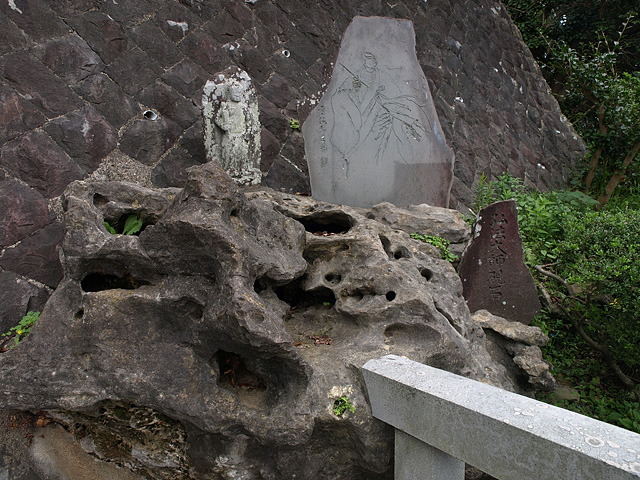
x=112, y=89
x=214, y=344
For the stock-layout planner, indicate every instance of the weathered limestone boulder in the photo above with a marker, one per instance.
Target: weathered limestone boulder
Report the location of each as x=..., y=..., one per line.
x=214, y=344
x=512, y=340
x=78, y=76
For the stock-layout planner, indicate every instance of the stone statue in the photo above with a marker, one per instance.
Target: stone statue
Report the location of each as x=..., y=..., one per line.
x=231, y=125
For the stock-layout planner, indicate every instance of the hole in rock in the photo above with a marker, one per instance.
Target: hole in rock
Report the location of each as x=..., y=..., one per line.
x=333, y=278
x=293, y=294
x=401, y=253
x=100, y=200
x=260, y=285
x=150, y=115
x=358, y=294
x=386, y=244
x=327, y=223
x=426, y=273
x=234, y=373
x=79, y=314
x=391, y=296
x=98, y=282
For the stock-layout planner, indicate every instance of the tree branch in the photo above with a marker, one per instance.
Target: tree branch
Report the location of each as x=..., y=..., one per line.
x=619, y=174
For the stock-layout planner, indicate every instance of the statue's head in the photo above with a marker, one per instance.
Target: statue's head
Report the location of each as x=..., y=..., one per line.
x=234, y=92
x=370, y=61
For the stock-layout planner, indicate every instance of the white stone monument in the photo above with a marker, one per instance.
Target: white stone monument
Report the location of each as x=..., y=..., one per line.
x=375, y=136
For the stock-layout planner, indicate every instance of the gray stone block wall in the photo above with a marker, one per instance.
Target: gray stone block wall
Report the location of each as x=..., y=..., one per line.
x=77, y=76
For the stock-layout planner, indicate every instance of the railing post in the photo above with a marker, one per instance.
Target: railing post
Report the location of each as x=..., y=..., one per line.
x=416, y=460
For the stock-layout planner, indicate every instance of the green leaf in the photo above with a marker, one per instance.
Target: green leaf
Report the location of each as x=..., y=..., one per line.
x=132, y=225
x=109, y=228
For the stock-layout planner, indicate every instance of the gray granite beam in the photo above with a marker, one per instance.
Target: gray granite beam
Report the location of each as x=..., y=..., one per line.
x=506, y=435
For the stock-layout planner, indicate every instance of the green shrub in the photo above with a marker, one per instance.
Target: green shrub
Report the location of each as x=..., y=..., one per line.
x=594, y=252
x=541, y=216
x=600, y=254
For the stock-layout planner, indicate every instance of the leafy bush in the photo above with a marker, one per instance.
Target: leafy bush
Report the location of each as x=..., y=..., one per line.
x=541, y=216
x=575, y=364
x=599, y=253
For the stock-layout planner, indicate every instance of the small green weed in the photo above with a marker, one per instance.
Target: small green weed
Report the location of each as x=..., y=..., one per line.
x=341, y=405
x=131, y=226
x=294, y=123
x=441, y=244
x=20, y=331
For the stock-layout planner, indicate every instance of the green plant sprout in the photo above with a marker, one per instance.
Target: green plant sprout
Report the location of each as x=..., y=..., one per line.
x=294, y=123
x=20, y=331
x=341, y=405
x=441, y=244
x=131, y=226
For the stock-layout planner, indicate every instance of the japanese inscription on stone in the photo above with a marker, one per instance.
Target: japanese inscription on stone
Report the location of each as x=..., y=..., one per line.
x=494, y=276
x=375, y=135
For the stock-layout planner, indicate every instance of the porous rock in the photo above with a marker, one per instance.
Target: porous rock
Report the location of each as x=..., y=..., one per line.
x=515, y=331
x=226, y=330
x=529, y=359
x=516, y=345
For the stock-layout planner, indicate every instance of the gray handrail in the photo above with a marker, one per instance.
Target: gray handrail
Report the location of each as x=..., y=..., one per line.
x=443, y=420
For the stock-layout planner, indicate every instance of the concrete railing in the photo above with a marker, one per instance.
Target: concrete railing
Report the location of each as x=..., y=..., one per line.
x=443, y=420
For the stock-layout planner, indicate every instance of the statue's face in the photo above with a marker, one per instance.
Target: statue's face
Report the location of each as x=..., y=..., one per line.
x=235, y=93
x=370, y=62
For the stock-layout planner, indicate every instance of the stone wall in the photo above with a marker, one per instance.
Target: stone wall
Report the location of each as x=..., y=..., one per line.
x=113, y=89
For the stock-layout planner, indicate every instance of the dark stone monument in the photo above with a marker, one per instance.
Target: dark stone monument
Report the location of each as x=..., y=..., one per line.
x=375, y=135
x=494, y=276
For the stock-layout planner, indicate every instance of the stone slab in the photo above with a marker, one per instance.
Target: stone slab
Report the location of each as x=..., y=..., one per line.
x=494, y=276
x=17, y=115
x=36, y=256
x=375, y=135
x=147, y=139
x=38, y=84
x=85, y=136
x=22, y=211
x=70, y=58
x=108, y=98
x=39, y=162
x=104, y=35
x=506, y=435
